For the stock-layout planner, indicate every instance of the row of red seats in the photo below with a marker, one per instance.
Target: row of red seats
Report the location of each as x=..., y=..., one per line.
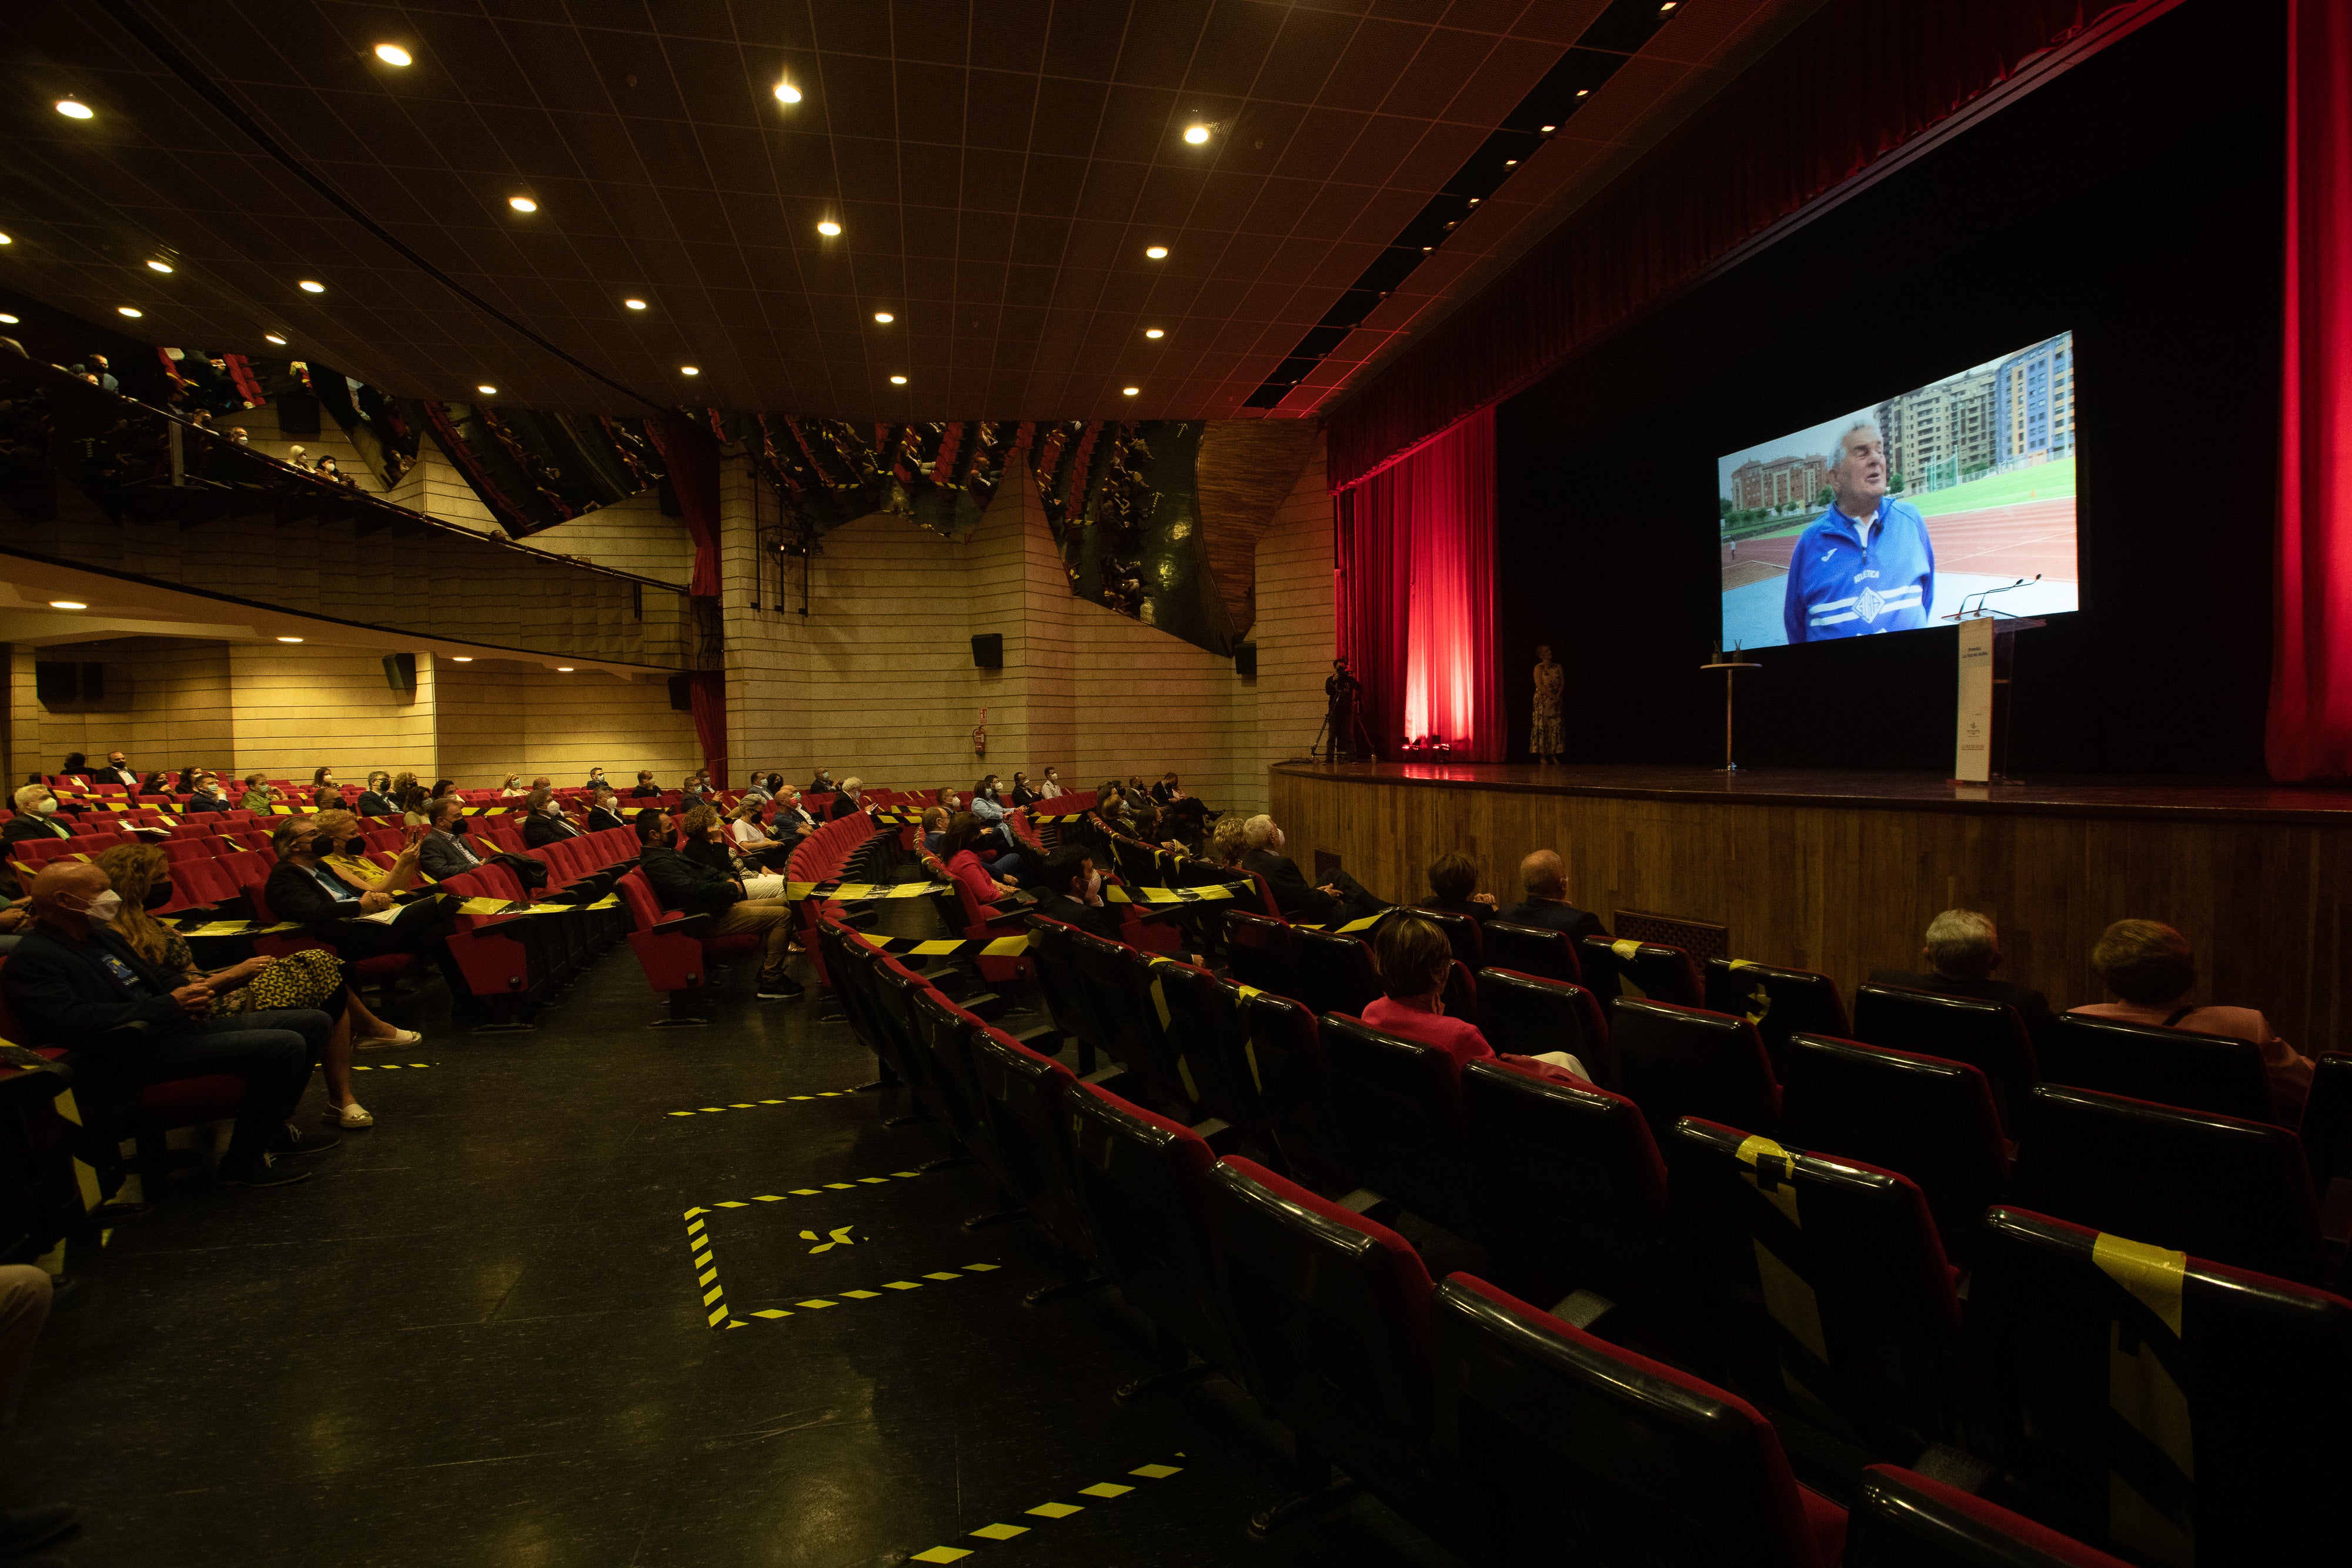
x=1496, y=1427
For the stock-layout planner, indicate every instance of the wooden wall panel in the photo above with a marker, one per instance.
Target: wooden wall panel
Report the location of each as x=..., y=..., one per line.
x=1847, y=889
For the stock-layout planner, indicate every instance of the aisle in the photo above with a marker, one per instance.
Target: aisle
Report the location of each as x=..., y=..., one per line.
x=479, y=1337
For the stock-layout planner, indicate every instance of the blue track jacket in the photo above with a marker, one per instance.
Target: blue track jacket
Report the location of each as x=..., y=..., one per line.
x=1837, y=589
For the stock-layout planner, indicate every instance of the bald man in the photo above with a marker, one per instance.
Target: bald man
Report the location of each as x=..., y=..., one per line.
x=1545, y=878
x=73, y=982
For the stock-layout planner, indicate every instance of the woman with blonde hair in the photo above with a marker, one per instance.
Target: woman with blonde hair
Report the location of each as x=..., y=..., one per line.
x=513, y=789
x=140, y=876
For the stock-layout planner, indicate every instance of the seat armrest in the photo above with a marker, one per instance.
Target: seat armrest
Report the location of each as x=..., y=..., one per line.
x=692, y=926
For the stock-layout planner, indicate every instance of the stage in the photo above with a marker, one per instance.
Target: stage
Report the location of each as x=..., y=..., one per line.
x=1841, y=872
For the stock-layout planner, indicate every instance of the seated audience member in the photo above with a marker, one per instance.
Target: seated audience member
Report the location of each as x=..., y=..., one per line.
x=2153, y=970
x=845, y=800
x=324, y=794
x=1050, y=787
x=207, y=793
x=375, y=800
x=187, y=780
x=35, y=818
x=1072, y=892
x=321, y=885
x=150, y=784
x=596, y=781
x=823, y=783
x=141, y=875
x=1451, y=881
x=988, y=805
x=752, y=841
x=511, y=787
x=1135, y=787
x=683, y=882
x=1189, y=816
x=260, y=794
x=76, y=767
x=1415, y=960
x=15, y=919
x=757, y=790
x=1546, y=882
x=1021, y=794
x=118, y=770
x=694, y=790
x=966, y=868
x=792, y=821
x=1111, y=813
x=23, y=1307
x=441, y=787
x=702, y=839
x=646, y=789
x=606, y=812
x=654, y=827
x=73, y=982
x=935, y=826
x=1342, y=900
x=415, y=805
x=444, y=851
x=546, y=823
x=1962, y=951
x=1226, y=845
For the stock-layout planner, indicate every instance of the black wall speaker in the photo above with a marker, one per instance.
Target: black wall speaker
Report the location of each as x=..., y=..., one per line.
x=400, y=672
x=988, y=650
x=681, y=694
x=55, y=681
x=1245, y=659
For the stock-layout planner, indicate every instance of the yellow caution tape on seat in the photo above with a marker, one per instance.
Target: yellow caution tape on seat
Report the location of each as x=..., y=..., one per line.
x=863, y=892
x=1743, y=964
x=1771, y=1171
x=2143, y=1392
x=2151, y=1274
x=1625, y=949
x=947, y=947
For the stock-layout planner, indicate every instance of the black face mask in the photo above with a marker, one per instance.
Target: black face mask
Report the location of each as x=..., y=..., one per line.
x=157, y=896
x=354, y=846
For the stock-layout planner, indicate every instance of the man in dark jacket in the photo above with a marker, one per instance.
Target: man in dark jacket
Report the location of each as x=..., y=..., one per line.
x=646, y=789
x=547, y=823
x=1962, y=951
x=846, y=803
x=1073, y=893
x=606, y=812
x=302, y=889
x=682, y=883
x=1336, y=902
x=444, y=852
x=1545, y=878
x=74, y=983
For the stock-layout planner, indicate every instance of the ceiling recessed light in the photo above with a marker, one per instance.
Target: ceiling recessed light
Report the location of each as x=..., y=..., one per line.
x=884, y=316
x=1427, y=248
x=5, y=239
x=1196, y=134
x=486, y=390
x=274, y=338
x=290, y=639
x=787, y=93
x=6, y=319
x=1667, y=9
x=392, y=54
x=73, y=110
x=1581, y=92
x=898, y=381
x=563, y=669
x=690, y=370
x=523, y=204
x=159, y=267
x=634, y=304
x=130, y=310
x=1549, y=129
x=1129, y=392
x=828, y=228
x=1153, y=332
x=463, y=658
x=1511, y=163
x=1156, y=252
x=68, y=604
x=307, y=287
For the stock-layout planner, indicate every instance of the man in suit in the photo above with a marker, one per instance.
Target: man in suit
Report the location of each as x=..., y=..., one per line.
x=1545, y=878
x=1073, y=893
x=823, y=783
x=118, y=770
x=443, y=851
x=845, y=800
x=302, y=889
x=1962, y=951
x=606, y=812
x=646, y=789
x=73, y=982
x=1335, y=902
x=207, y=795
x=35, y=818
x=375, y=800
x=684, y=883
x=547, y=823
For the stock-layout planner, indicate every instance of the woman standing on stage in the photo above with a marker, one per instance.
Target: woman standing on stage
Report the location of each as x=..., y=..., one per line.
x=1551, y=681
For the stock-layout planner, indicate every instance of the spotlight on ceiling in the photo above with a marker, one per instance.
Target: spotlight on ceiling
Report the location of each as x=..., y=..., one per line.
x=462, y=658
x=1549, y=129
x=884, y=316
x=6, y=319
x=563, y=669
x=690, y=370
x=486, y=390
x=68, y=604
x=787, y=93
x=392, y=54
x=274, y=338
x=1511, y=163
x=1129, y=392
x=159, y=267
x=1154, y=332
x=827, y=227
x=1196, y=134
x=290, y=639
x=73, y=110
x=307, y=287
x=130, y=310
x=1156, y=252
x=634, y=304
x=523, y=204
x=898, y=381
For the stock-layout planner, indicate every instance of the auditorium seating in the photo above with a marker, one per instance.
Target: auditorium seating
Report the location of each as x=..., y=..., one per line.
x=1779, y=1002
x=1396, y=1105
x=1022, y=1098
x=1675, y=1062
x=1662, y=974
x=2170, y=1066
x=1208, y=1017
x=1902, y=1519
x=1829, y=1291
x=2236, y=1192
x=1930, y=1119
x=1557, y=1446
x=1258, y=951
x=1286, y=1046
x=1333, y=973
x=1461, y=932
x=2327, y=1145
x=675, y=956
x=1988, y=1035
x=2170, y=1408
x=1526, y=1015
x=1535, y=950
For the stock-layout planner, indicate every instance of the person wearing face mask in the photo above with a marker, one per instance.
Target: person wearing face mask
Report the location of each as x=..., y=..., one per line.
x=988, y=805
x=606, y=812
x=376, y=800
x=546, y=824
x=645, y=788
x=823, y=783
x=74, y=982
x=204, y=791
x=1073, y=893
x=598, y=782
x=321, y=884
x=1338, y=901
x=35, y=818
x=118, y=770
x=324, y=794
x=1050, y=788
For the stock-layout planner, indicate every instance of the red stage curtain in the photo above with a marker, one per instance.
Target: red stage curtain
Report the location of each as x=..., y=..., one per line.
x=708, y=690
x=1417, y=594
x=2310, y=667
x=691, y=456
x=1852, y=84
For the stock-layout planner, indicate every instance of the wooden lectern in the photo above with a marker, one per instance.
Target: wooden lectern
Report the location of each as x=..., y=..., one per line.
x=1988, y=663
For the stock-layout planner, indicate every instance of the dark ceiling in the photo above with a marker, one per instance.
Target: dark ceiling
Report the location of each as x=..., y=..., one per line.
x=998, y=169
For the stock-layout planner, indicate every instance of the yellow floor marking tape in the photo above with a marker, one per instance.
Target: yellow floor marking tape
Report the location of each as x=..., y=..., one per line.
x=385, y=1066
x=818, y=1304
x=755, y=1105
x=1104, y=1490
x=707, y=1275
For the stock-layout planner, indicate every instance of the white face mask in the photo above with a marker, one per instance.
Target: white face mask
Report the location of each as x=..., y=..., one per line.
x=44, y=807
x=105, y=906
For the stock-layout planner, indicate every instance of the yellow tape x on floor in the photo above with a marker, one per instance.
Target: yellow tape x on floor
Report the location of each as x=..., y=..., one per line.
x=1101, y=1491
x=706, y=1273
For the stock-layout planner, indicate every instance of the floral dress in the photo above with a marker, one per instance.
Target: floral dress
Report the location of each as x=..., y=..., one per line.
x=1551, y=681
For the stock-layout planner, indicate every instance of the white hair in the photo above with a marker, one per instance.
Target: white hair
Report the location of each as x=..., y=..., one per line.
x=26, y=797
x=1257, y=832
x=1837, y=453
x=853, y=784
x=1963, y=944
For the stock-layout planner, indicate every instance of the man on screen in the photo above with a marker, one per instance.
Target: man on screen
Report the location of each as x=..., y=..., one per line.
x=1865, y=564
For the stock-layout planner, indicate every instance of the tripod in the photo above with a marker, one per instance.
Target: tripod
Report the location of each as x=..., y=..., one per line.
x=1349, y=730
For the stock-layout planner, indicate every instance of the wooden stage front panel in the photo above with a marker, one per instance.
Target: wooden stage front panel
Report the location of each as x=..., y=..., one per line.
x=1841, y=873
